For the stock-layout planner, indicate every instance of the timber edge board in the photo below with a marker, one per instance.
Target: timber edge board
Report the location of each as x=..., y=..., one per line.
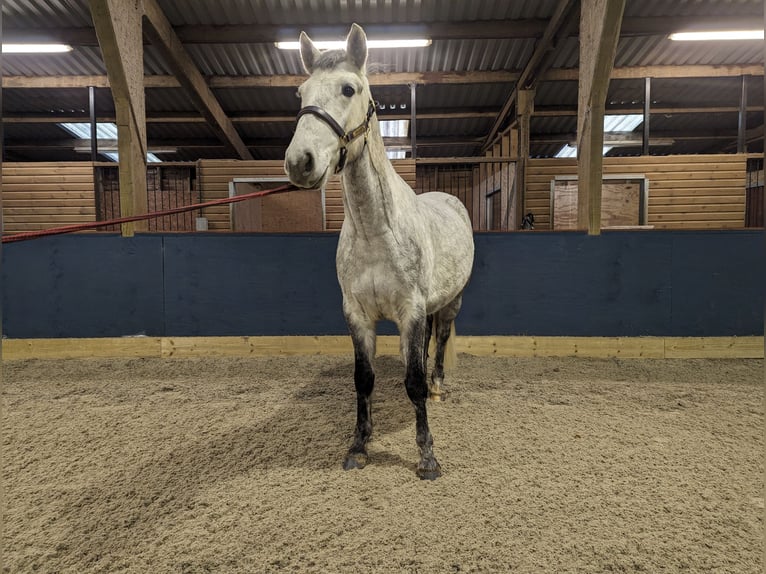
x=187, y=347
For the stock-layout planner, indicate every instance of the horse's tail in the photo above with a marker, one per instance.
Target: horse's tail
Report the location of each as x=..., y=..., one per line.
x=450, y=354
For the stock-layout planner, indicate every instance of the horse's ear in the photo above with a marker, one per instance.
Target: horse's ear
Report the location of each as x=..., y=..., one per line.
x=356, y=46
x=309, y=53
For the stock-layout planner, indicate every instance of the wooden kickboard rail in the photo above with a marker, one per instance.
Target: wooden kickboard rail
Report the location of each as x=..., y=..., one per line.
x=186, y=347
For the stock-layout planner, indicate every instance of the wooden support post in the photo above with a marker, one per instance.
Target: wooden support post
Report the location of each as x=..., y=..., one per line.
x=647, y=114
x=413, y=122
x=118, y=27
x=526, y=107
x=93, y=124
x=506, y=183
x=742, y=118
x=600, y=22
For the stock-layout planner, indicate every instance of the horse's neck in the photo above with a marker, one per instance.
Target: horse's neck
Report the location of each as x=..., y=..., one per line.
x=374, y=196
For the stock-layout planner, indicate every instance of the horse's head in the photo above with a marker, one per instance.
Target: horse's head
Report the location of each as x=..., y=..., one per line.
x=336, y=108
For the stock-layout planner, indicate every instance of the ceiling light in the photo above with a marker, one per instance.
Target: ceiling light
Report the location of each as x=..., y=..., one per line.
x=36, y=48
x=718, y=35
x=341, y=44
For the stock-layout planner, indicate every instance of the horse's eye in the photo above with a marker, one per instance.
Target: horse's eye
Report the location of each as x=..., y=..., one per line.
x=348, y=90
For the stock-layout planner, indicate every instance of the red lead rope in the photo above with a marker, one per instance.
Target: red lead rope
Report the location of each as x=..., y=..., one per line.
x=96, y=224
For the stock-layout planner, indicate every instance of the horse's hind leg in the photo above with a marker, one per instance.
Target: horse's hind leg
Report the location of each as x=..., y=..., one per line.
x=417, y=391
x=443, y=321
x=363, y=337
x=429, y=331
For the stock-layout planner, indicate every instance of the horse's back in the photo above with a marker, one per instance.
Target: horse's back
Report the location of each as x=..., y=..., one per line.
x=446, y=205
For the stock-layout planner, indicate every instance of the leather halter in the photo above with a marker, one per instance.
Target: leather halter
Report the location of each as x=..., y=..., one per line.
x=344, y=137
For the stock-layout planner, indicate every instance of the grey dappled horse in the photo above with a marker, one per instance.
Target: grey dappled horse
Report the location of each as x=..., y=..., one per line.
x=401, y=256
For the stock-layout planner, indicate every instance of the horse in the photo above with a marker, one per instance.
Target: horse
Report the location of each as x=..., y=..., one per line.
x=400, y=256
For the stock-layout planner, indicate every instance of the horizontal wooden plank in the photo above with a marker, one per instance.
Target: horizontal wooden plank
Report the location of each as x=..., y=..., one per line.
x=713, y=192
x=50, y=193
x=45, y=177
x=48, y=203
x=16, y=349
x=14, y=170
x=47, y=210
x=696, y=184
x=691, y=209
x=697, y=224
x=53, y=220
x=602, y=347
x=185, y=347
x=10, y=229
x=673, y=199
x=714, y=348
x=697, y=216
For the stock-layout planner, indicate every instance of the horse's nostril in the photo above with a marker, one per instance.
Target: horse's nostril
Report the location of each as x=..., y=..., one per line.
x=308, y=165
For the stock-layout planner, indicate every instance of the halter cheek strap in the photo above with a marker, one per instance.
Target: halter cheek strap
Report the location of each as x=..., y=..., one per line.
x=344, y=137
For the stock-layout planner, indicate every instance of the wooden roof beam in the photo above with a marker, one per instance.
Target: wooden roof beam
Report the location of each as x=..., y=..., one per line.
x=530, y=76
x=394, y=78
x=163, y=37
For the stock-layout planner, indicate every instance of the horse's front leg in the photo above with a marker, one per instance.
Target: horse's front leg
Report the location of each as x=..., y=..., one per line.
x=417, y=391
x=363, y=338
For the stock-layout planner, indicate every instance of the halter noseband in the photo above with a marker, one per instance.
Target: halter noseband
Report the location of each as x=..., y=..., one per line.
x=345, y=137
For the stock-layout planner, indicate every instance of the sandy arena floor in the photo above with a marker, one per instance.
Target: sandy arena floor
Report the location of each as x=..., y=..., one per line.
x=234, y=466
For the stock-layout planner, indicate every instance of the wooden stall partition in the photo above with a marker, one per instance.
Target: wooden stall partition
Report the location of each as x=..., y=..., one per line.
x=298, y=211
x=214, y=177
x=684, y=191
x=484, y=184
x=168, y=186
x=42, y=195
x=334, y=192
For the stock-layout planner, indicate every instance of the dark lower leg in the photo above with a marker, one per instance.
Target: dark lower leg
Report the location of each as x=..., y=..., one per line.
x=417, y=391
x=364, y=380
x=437, y=374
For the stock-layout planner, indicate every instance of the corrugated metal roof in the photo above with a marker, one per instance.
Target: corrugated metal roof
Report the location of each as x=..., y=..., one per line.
x=46, y=13
x=444, y=55
x=325, y=12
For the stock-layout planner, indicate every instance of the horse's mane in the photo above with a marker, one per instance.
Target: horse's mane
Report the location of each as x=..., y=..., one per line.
x=329, y=59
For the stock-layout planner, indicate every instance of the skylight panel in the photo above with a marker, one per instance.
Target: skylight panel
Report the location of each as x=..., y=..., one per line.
x=104, y=131
x=616, y=123
x=394, y=128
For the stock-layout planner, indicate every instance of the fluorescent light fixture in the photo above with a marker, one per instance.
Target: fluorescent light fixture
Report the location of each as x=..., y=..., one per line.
x=341, y=44
x=396, y=153
x=718, y=35
x=36, y=48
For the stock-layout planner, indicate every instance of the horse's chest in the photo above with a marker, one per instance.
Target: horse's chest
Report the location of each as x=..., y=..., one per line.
x=378, y=283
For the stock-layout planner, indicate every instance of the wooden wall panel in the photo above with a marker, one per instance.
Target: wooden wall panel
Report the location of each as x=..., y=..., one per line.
x=41, y=195
x=214, y=177
x=685, y=192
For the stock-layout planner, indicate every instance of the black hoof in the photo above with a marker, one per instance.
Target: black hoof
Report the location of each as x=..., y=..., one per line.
x=430, y=471
x=355, y=460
